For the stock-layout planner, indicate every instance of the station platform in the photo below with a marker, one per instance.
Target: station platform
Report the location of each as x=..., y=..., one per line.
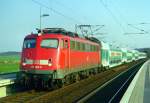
x=5, y=81
x=139, y=89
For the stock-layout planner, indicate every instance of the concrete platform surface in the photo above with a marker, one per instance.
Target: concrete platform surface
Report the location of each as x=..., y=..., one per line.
x=7, y=79
x=139, y=89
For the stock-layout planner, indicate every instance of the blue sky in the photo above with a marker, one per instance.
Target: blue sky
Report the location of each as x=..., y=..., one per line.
x=20, y=17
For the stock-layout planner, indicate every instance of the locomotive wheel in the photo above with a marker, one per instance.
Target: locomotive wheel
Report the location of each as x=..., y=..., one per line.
x=107, y=67
x=21, y=82
x=43, y=84
x=36, y=84
x=87, y=74
x=77, y=77
x=91, y=72
x=103, y=69
x=52, y=84
x=72, y=78
x=67, y=80
x=59, y=83
x=95, y=71
x=27, y=82
x=99, y=69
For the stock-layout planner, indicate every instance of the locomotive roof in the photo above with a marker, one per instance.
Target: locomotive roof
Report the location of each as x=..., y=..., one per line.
x=93, y=39
x=58, y=31
x=62, y=31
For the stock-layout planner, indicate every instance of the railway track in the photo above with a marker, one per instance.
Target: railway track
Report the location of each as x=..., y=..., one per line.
x=113, y=90
x=67, y=94
x=22, y=97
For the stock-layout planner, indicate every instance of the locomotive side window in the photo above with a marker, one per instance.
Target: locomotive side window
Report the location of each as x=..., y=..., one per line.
x=87, y=47
x=72, y=45
x=91, y=48
x=49, y=43
x=82, y=47
x=29, y=43
x=77, y=45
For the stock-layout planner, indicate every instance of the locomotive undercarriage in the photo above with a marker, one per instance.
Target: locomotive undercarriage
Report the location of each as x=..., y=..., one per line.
x=46, y=81
x=38, y=81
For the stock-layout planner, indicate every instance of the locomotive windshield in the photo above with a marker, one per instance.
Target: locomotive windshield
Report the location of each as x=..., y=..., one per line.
x=49, y=43
x=29, y=43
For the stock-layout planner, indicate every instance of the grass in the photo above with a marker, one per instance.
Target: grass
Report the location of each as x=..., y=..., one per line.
x=7, y=68
x=9, y=63
x=10, y=58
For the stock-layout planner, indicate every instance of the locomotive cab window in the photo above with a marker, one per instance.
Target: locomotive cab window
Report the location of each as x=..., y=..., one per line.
x=49, y=43
x=29, y=43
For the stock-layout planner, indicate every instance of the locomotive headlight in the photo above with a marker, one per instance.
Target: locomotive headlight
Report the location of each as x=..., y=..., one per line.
x=39, y=34
x=49, y=64
x=24, y=64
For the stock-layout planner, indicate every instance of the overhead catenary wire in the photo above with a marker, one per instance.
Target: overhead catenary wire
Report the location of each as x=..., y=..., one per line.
x=57, y=12
x=132, y=25
x=135, y=27
x=142, y=31
x=125, y=21
x=69, y=9
x=113, y=16
x=66, y=7
x=119, y=13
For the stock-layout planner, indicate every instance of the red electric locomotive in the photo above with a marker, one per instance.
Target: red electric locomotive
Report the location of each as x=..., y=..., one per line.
x=56, y=56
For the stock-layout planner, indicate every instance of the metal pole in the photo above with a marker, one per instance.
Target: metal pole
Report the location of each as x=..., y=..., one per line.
x=75, y=28
x=40, y=20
